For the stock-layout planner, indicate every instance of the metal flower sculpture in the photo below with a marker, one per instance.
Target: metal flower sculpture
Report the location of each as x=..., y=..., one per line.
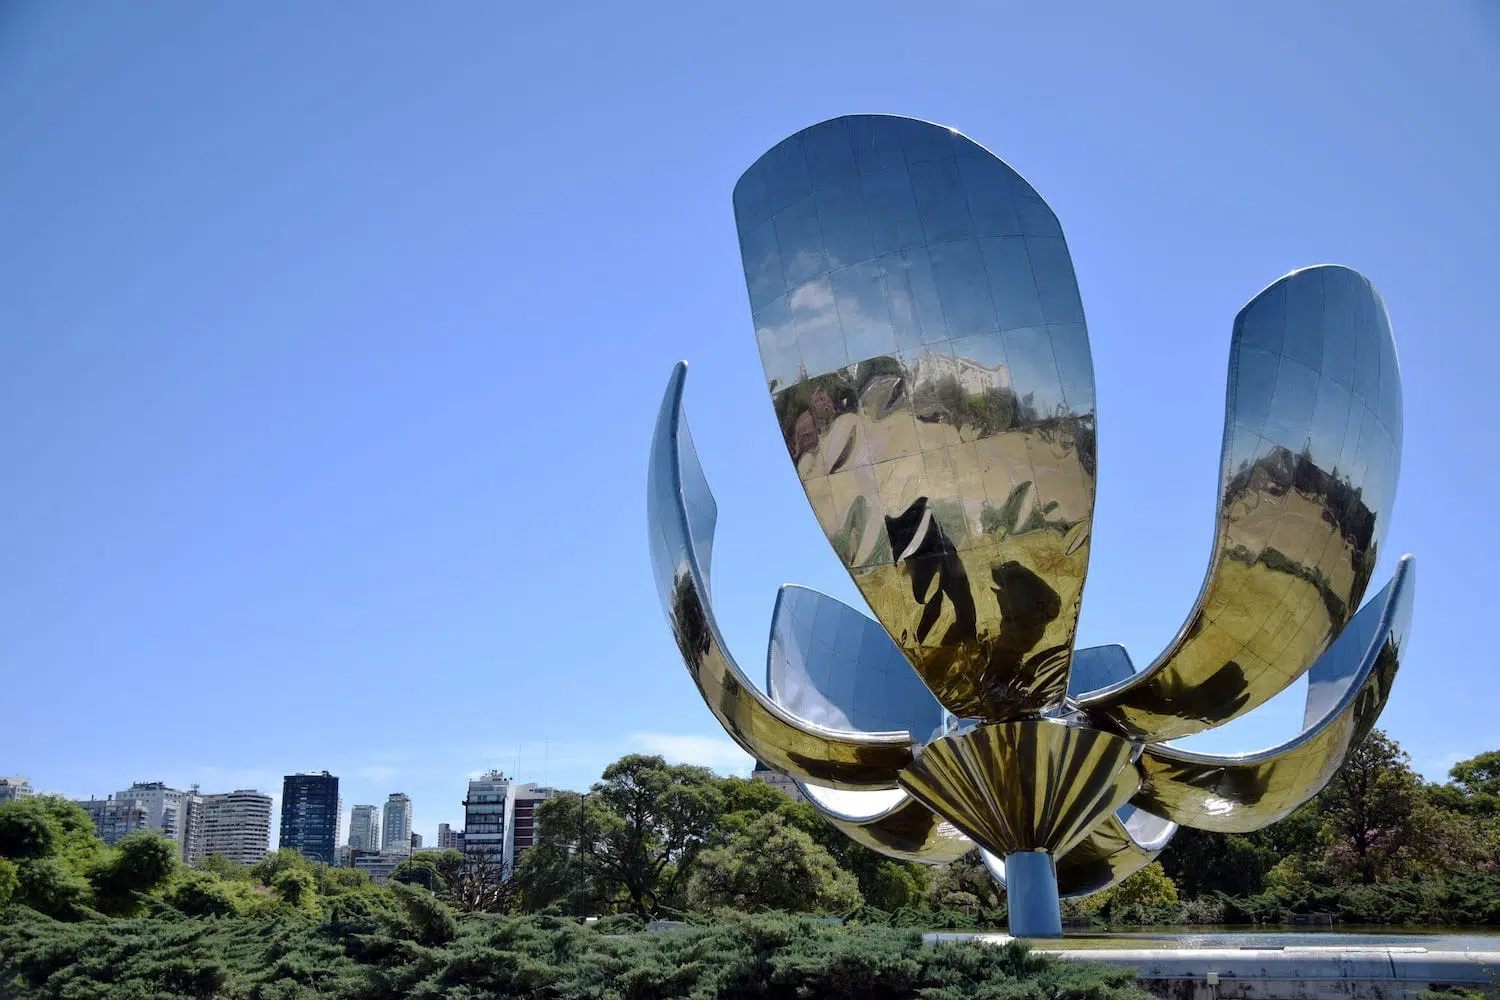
x=925, y=350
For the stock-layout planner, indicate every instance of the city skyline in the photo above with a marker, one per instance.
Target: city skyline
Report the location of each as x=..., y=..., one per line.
x=429, y=831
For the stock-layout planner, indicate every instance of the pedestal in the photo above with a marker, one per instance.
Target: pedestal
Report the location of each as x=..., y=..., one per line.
x=1031, y=895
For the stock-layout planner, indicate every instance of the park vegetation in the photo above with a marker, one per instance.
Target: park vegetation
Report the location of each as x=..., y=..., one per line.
x=750, y=875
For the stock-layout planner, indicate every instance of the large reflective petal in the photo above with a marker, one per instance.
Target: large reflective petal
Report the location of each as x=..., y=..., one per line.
x=1312, y=449
x=1347, y=689
x=830, y=665
x=924, y=345
x=1097, y=667
x=890, y=822
x=1034, y=785
x=1122, y=844
x=680, y=519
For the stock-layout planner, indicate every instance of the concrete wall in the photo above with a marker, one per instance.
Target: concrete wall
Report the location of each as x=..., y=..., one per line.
x=1302, y=973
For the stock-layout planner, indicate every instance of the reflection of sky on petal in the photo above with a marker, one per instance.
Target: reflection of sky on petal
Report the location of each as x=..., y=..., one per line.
x=1033, y=367
x=855, y=804
x=985, y=350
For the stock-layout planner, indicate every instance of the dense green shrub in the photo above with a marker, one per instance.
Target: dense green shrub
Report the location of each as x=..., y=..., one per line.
x=620, y=923
x=428, y=920
x=769, y=955
x=198, y=894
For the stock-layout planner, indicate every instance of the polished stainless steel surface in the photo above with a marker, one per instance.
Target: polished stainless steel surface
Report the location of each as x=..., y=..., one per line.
x=924, y=346
x=890, y=822
x=1122, y=844
x=682, y=513
x=1037, y=784
x=1347, y=689
x=829, y=664
x=1312, y=450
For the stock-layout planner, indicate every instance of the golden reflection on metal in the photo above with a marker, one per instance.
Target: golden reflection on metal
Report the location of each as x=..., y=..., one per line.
x=1312, y=445
x=1236, y=793
x=1024, y=786
x=1106, y=857
x=924, y=346
x=935, y=393
x=907, y=829
x=682, y=514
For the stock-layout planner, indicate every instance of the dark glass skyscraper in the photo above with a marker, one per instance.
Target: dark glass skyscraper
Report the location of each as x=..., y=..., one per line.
x=310, y=809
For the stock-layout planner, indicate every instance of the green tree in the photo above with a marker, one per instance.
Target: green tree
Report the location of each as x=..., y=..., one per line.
x=430, y=922
x=27, y=831
x=419, y=869
x=275, y=862
x=340, y=881
x=48, y=886
x=296, y=888
x=772, y=865
x=8, y=882
x=201, y=894
x=1375, y=816
x=552, y=871
x=1474, y=786
x=1200, y=862
x=644, y=825
x=966, y=877
x=229, y=871
x=1478, y=775
x=78, y=845
x=138, y=864
x=745, y=800
x=883, y=881
x=1150, y=886
x=891, y=885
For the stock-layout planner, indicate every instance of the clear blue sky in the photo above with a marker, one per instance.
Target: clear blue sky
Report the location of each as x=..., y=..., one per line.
x=331, y=337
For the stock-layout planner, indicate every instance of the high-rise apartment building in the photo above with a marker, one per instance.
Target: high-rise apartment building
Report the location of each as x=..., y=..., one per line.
x=528, y=797
x=416, y=842
x=115, y=818
x=488, y=809
x=310, y=808
x=14, y=789
x=395, y=828
x=364, y=828
x=500, y=817
x=378, y=866
x=170, y=812
x=448, y=838
x=237, y=825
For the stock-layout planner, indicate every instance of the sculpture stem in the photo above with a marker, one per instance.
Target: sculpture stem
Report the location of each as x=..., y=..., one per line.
x=1031, y=895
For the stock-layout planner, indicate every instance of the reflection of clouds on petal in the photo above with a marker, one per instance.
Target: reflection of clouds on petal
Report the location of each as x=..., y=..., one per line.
x=813, y=295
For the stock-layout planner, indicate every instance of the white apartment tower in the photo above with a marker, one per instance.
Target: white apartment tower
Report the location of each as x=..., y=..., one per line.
x=169, y=811
x=488, y=809
x=364, y=828
x=13, y=789
x=395, y=831
x=499, y=817
x=237, y=825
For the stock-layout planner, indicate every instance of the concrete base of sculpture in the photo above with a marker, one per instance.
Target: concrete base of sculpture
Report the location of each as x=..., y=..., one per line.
x=1344, y=972
x=1031, y=895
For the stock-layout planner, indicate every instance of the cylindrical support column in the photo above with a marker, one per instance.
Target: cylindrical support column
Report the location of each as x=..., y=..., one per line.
x=1031, y=895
